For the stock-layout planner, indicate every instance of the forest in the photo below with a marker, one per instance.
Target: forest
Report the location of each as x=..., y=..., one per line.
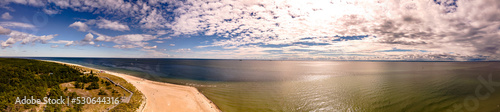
x=27, y=77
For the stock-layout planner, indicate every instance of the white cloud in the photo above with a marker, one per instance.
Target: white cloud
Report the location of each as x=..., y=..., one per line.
x=51, y=11
x=54, y=46
x=161, y=32
x=24, y=2
x=4, y=31
x=149, y=47
x=25, y=38
x=100, y=38
x=123, y=41
x=6, y=16
x=155, y=54
x=108, y=24
x=154, y=20
x=124, y=46
x=148, y=15
x=127, y=41
x=172, y=45
x=159, y=42
x=136, y=39
x=165, y=38
x=80, y=26
x=100, y=45
x=182, y=50
x=66, y=42
x=88, y=39
x=469, y=29
x=17, y=25
x=100, y=6
x=99, y=23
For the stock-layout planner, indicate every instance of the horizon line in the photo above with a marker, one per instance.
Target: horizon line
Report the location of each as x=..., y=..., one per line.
x=242, y=59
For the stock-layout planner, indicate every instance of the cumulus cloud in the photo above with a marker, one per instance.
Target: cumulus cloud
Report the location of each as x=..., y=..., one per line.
x=80, y=26
x=100, y=38
x=108, y=24
x=6, y=16
x=148, y=14
x=467, y=28
x=159, y=42
x=54, y=46
x=100, y=6
x=154, y=20
x=88, y=39
x=172, y=45
x=25, y=38
x=4, y=31
x=464, y=27
x=123, y=41
x=135, y=39
x=99, y=23
x=126, y=41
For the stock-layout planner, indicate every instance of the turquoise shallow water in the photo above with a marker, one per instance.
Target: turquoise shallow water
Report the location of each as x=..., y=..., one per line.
x=235, y=85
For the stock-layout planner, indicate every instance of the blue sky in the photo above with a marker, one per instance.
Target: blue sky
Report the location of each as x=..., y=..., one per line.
x=441, y=30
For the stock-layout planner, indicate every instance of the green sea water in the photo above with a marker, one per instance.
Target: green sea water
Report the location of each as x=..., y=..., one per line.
x=367, y=86
x=260, y=86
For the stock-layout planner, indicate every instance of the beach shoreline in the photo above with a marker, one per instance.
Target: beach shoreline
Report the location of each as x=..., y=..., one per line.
x=161, y=96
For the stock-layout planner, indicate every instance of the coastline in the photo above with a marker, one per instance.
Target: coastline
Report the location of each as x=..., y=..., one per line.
x=161, y=96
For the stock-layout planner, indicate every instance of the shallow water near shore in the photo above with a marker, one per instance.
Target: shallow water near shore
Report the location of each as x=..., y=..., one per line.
x=252, y=85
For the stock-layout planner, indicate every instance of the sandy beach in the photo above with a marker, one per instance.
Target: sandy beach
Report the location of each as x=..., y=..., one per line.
x=165, y=97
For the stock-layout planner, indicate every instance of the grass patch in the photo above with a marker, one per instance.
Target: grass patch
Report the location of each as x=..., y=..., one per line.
x=136, y=99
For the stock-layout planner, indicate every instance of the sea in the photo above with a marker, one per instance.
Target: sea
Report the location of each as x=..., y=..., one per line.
x=298, y=86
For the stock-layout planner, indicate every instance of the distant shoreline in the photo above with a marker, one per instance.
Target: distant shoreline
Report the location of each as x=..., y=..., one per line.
x=161, y=96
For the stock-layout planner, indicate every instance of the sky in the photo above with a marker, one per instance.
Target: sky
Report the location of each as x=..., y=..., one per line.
x=427, y=30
